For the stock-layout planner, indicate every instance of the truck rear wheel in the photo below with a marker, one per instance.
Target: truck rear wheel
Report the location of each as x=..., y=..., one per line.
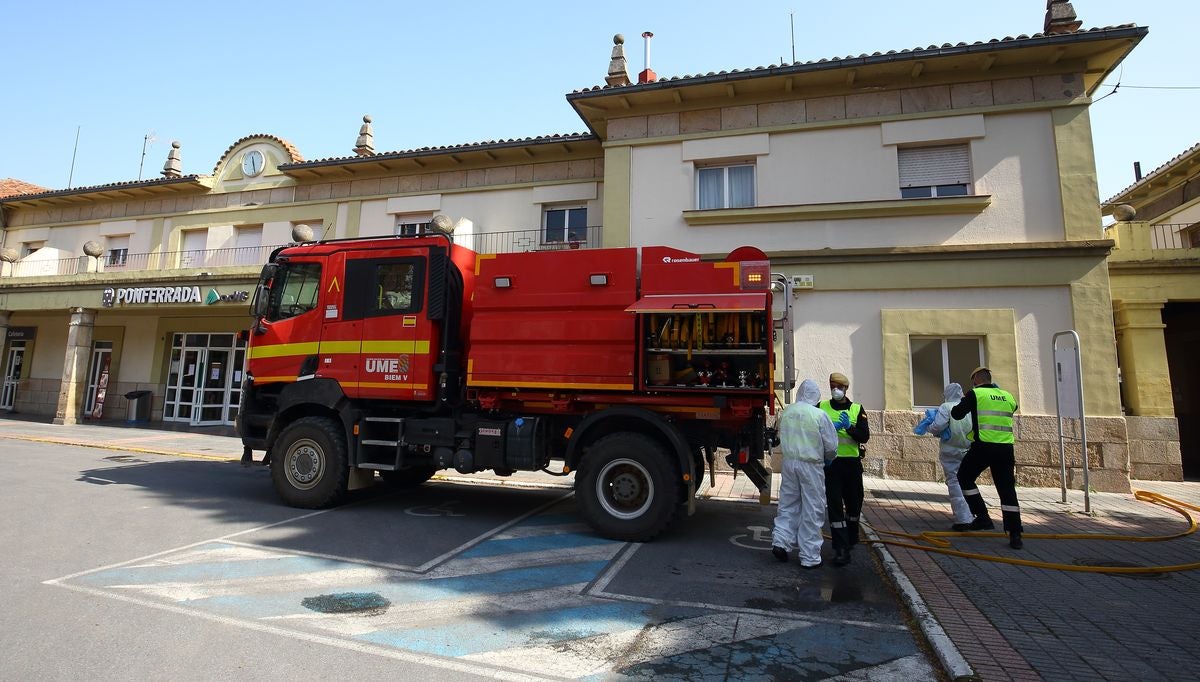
x=308, y=464
x=627, y=488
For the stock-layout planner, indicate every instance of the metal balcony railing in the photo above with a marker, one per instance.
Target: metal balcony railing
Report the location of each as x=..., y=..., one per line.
x=1175, y=236
x=131, y=262
x=516, y=241
x=512, y=241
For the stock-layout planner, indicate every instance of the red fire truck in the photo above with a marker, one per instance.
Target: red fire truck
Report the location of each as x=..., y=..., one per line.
x=409, y=355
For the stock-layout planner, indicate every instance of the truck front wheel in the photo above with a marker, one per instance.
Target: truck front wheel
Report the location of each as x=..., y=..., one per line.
x=626, y=489
x=308, y=464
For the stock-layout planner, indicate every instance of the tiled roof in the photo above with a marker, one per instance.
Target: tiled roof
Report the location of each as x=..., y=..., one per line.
x=42, y=192
x=1148, y=177
x=874, y=57
x=11, y=187
x=288, y=147
x=447, y=149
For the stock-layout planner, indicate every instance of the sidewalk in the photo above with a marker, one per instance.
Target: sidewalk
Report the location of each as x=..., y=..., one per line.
x=992, y=620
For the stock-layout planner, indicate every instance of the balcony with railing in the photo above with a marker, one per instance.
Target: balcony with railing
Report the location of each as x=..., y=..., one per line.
x=1139, y=241
x=251, y=258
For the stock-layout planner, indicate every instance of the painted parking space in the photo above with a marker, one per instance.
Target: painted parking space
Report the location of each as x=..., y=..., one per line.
x=533, y=595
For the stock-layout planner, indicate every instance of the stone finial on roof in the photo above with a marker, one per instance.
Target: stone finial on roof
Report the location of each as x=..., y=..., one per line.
x=617, y=75
x=1060, y=18
x=173, y=168
x=365, y=144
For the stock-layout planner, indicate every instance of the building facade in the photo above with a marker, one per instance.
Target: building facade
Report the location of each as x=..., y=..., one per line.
x=937, y=209
x=1155, y=273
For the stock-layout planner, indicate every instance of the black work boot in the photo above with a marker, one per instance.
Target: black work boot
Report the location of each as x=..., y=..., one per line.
x=780, y=553
x=983, y=522
x=1014, y=540
x=841, y=557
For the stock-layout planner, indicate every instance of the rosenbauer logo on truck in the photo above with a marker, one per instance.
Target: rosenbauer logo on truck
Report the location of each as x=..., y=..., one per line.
x=392, y=369
x=692, y=259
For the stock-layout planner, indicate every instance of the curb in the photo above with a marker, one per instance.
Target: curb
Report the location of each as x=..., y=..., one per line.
x=118, y=447
x=948, y=655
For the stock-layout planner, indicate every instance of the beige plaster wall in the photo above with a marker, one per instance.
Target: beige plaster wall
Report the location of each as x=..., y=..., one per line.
x=842, y=331
x=1015, y=162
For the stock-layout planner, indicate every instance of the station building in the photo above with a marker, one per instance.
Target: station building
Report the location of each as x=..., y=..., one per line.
x=935, y=207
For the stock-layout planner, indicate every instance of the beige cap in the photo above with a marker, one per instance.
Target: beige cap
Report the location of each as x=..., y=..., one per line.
x=977, y=370
x=839, y=379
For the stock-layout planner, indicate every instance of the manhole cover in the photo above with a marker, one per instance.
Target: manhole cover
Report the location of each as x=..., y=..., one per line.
x=362, y=603
x=1113, y=563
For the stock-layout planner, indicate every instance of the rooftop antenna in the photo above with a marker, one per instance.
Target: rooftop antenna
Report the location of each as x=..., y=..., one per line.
x=792, y=21
x=71, y=175
x=147, y=139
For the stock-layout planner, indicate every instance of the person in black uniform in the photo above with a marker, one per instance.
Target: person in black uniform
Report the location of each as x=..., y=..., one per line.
x=991, y=409
x=843, y=476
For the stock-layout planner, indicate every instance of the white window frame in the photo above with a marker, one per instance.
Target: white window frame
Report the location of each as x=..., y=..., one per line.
x=411, y=224
x=245, y=252
x=30, y=248
x=935, y=171
x=116, y=253
x=726, y=189
x=946, y=376
x=566, y=210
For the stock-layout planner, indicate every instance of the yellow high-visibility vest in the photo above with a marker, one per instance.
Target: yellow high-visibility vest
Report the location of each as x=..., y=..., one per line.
x=994, y=408
x=847, y=446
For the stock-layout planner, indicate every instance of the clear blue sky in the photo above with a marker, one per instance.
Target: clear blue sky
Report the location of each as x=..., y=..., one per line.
x=454, y=72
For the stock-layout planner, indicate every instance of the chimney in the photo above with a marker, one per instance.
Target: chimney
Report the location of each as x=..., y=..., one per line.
x=617, y=75
x=173, y=168
x=1060, y=18
x=365, y=144
x=647, y=76
x=1137, y=171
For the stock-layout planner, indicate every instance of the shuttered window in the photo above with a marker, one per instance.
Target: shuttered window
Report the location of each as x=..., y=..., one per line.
x=934, y=171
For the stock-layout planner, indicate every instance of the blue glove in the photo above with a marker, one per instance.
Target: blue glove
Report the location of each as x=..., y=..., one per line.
x=843, y=421
x=922, y=427
x=946, y=434
x=828, y=463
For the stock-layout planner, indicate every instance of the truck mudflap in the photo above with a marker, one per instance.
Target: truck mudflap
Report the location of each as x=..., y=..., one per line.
x=758, y=474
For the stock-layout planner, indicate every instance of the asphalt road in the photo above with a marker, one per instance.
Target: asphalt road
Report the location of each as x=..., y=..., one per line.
x=120, y=566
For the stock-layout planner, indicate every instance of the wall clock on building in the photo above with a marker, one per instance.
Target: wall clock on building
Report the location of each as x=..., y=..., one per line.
x=252, y=163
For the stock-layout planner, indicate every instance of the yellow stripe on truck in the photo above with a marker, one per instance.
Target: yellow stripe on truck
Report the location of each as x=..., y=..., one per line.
x=282, y=350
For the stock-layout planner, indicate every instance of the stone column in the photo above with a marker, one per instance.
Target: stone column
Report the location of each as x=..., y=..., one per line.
x=75, y=365
x=1143, y=353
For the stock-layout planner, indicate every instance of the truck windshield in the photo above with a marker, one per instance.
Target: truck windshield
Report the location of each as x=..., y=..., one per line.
x=294, y=291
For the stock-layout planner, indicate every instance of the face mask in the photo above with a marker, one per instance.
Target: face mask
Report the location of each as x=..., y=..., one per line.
x=838, y=394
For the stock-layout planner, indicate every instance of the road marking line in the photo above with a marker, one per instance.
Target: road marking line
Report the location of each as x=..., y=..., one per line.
x=426, y=613
x=739, y=609
x=57, y=581
x=601, y=654
x=348, y=644
x=488, y=564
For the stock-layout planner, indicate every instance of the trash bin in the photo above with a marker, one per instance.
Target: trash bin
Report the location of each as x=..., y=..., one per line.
x=139, y=406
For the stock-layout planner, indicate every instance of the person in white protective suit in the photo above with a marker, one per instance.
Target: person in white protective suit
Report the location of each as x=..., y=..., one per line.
x=952, y=448
x=809, y=442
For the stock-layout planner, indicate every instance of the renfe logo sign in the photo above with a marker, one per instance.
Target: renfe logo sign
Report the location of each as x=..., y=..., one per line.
x=151, y=295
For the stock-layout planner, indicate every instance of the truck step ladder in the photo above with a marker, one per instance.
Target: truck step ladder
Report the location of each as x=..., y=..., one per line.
x=378, y=444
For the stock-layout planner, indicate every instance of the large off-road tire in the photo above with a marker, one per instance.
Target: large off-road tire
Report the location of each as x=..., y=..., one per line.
x=628, y=488
x=308, y=463
x=410, y=477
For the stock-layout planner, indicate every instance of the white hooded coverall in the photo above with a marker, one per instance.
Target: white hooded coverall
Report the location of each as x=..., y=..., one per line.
x=951, y=452
x=808, y=439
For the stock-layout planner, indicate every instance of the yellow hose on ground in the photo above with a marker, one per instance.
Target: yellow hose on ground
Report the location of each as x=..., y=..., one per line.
x=942, y=546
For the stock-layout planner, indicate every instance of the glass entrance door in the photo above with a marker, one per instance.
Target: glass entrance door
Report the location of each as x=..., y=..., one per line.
x=98, y=379
x=204, y=379
x=12, y=374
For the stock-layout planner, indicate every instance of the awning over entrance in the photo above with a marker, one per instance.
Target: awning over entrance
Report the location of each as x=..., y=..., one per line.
x=715, y=303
